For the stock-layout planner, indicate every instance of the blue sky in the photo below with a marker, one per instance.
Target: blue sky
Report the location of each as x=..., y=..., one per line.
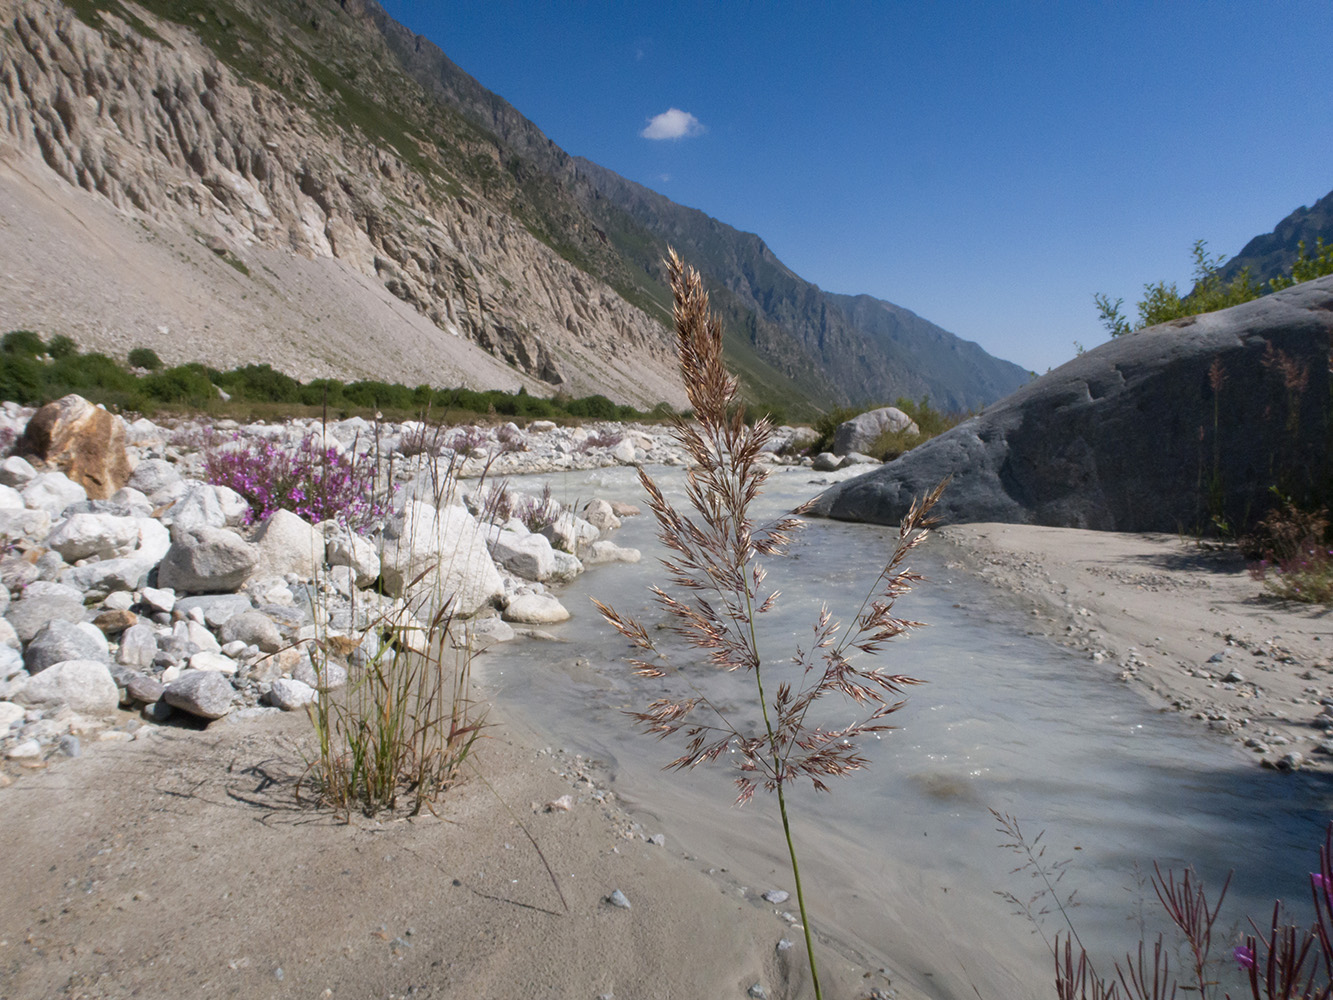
x=989, y=166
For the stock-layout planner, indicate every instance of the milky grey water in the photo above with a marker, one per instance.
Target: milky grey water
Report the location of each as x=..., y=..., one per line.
x=903, y=859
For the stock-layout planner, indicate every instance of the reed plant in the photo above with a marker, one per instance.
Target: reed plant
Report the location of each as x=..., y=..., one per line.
x=402, y=727
x=716, y=590
x=1273, y=960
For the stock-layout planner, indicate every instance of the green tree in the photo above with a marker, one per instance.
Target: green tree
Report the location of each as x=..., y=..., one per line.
x=1305, y=267
x=1162, y=301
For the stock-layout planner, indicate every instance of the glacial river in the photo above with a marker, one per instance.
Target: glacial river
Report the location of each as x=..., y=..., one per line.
x=903, y=859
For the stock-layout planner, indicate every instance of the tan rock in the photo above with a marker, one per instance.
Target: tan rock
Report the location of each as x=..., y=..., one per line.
x=83, y=441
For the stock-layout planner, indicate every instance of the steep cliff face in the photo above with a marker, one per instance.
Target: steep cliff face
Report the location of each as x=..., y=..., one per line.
x=138, y=111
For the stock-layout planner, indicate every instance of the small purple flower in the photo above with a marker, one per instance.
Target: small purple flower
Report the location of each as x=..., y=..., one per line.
x=1244, y=956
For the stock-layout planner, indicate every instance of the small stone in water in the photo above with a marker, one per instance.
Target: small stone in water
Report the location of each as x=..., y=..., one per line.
x=776, y=896
x=618, y=898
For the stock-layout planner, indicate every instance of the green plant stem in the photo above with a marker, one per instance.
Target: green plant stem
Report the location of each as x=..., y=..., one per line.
x=782, y=799
x=800, y=894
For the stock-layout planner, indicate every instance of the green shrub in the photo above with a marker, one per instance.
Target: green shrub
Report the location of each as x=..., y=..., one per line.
x=827, y=425
x=22, y=344
x=144, y=357
x=21, y=379
x=1306, y=268
x=184, y=384
x=1162, y=302
x=85, y=373
x=61, y=347
x=592, y=408
x=260, y=384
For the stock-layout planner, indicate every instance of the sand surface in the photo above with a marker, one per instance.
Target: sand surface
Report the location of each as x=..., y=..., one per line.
x=182, y=864
x=1182, y=621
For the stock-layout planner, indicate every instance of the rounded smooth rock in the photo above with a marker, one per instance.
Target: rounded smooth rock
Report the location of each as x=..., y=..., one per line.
x=206, y=694
x=145, y=689
x=289, y=694
x=207, y=560
x=252, y=628
x=138, y=646
x=213, y=661
x=59, y=640
x=535, y=609
x=83, y=685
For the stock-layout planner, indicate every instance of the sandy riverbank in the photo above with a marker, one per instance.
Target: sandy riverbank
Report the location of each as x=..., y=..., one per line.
x=181, y=865
x=1184, y=623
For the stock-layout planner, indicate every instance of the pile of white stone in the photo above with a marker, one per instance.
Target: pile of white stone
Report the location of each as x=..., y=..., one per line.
x=160, y=602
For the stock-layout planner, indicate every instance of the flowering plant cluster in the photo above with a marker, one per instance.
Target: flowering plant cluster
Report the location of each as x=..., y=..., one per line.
x=319, y=484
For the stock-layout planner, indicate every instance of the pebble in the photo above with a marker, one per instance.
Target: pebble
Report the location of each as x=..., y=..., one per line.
x=757, y=992
x=619, y=899
x=776, y=896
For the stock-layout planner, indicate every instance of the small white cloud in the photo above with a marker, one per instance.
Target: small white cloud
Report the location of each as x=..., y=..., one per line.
x=664, y=178
x=672, y=124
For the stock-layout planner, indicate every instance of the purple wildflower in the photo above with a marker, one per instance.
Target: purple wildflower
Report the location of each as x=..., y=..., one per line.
x=1244, y=956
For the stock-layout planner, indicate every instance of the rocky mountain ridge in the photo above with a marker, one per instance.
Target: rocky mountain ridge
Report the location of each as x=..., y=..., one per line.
x=274, y=169
x=1271, y=254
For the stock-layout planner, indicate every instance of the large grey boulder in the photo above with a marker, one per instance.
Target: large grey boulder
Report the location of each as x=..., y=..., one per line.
x=155, y=477
x=526, y=555
x=206, y=560
x=41, y=603
x=859, y=433
x=197, y=507
x=288, y=543
x=437, y=554
x=203, y=693
x=1132, y=435
x=83, y=685
x=52, y=492
x=254, y=628
x=59, y=640
x=84, y=536
x=138, y=646
x=346, y=548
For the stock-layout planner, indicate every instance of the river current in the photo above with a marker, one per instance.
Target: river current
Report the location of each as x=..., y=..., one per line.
x=902, y=860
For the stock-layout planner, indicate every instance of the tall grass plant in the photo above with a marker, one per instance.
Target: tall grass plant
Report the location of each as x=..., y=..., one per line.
x=715, y=592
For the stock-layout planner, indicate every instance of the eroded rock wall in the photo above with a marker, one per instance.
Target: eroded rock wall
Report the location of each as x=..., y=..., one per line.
x=169, y=135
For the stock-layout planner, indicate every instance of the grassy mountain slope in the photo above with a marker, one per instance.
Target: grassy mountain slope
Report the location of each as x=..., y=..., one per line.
x=366, y=78
x=783, y=332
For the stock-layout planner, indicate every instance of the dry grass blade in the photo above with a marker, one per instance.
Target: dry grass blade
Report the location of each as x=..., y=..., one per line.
x=718, y=588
